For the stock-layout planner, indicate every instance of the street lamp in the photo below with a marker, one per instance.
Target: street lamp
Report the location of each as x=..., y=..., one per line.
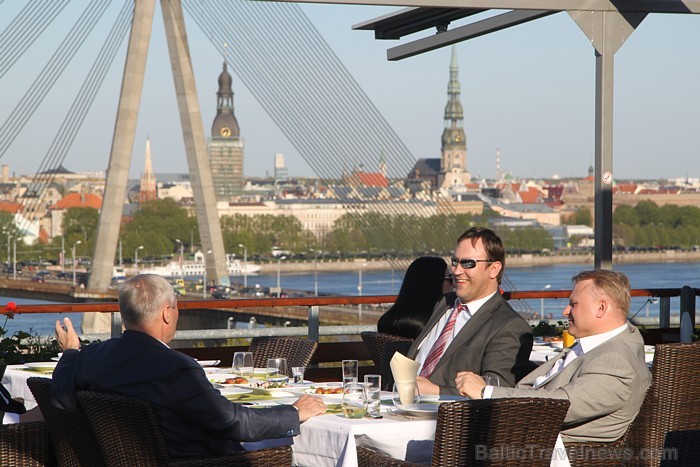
x=204, y=283
x=279, y=262
x=136, y=258
x=14, y=257
x=182, y=249
x=121, y=259
x=245, y=264
x=542, y=301
x=74, y=245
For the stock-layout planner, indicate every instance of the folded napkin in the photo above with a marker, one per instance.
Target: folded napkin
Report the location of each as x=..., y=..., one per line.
x=404, y=370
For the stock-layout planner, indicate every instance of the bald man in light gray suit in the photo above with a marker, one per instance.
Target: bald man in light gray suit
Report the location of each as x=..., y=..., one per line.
x=604, y=375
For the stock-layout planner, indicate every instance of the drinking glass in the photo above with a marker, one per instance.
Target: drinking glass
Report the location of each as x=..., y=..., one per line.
x=373, y=385
x=298, y=374
x=243, y=364
x=567, y=339
x=491, y=380
x=354, y=400
x=405, y=393
x=277, y=374
x=350, y=368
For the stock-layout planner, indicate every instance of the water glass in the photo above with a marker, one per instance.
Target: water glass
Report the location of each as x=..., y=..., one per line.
x=373, y=386
x=405, y=393
x=243, y=364
x=491, y=380
x=354, y=400
x=277, y=374
x=298, y=374
x=350, y=368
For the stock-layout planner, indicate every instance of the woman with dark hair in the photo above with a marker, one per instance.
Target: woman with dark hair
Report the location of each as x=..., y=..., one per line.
x=426, y=281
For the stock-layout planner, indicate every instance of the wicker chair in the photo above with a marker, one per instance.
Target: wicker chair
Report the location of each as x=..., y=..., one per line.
x=297, y=350
x=73, y=440
x=670, y=405
x=382, y=347
x=128, y=433
x=486, y=432
x=26, y=444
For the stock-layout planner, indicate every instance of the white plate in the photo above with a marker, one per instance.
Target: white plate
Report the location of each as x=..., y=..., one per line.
x=311, y=390
x=428, y=404
x=208, y=362
x=234, y=390
x=218, y=379
x=43, y=366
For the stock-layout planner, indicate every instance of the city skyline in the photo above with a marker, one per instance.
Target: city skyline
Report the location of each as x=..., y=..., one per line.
x=528, y=91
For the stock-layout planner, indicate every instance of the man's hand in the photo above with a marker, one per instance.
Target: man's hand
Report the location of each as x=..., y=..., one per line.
x=469, y=384
x=427, y=387
x=309, y=406
x=66, y=336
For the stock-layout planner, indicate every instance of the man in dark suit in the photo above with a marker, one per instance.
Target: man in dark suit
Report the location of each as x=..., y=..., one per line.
x=473, y=329
x=197, y=421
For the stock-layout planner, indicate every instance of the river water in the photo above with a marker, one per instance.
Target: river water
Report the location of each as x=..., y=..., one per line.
x=643, y=275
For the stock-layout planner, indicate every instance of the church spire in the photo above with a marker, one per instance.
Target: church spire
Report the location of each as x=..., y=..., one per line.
x=147, y=189
x=453, y=165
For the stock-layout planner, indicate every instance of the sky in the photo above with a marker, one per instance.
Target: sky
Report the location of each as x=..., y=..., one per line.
x=528, y=91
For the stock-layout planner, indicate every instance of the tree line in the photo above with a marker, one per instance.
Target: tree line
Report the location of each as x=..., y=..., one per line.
x=159, y=224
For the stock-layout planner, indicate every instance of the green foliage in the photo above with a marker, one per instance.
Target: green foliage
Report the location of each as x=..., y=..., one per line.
x=260, y=233
x=581, y=216
x=23, y=347
x=80, y=224
x=649, y=226
x=544, y=329
x=156, y=226
x=525, y=239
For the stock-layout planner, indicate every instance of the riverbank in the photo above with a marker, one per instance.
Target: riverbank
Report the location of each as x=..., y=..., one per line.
x=526, y=260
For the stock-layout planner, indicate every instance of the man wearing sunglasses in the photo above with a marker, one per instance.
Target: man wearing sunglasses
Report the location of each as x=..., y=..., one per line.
x=473, y=328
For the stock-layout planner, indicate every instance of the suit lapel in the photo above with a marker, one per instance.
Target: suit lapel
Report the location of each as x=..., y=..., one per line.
x=438, y=311
x=471, y=327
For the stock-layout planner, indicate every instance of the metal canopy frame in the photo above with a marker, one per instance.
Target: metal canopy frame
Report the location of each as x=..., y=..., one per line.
x=606, y=23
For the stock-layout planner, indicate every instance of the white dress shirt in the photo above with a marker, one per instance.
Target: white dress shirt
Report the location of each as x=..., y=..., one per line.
x=430, y=338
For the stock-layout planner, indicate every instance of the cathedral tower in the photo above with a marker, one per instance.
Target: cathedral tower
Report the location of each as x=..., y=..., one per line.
x=453, y=164
x=147, y=191
x=225, y=144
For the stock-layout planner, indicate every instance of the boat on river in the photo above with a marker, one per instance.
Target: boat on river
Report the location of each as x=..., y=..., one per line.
x=235, y=267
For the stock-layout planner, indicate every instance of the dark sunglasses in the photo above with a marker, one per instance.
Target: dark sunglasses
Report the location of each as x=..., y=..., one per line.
x=467, y=263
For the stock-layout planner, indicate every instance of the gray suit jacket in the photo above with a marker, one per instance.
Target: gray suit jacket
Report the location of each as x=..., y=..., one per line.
x=605, y=386
x=496, y=340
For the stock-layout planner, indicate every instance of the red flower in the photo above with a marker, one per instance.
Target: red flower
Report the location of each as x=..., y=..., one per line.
x=10, y=308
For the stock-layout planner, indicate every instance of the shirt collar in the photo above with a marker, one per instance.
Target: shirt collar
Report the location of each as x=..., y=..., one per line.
x=591, y=342
x=475, y=305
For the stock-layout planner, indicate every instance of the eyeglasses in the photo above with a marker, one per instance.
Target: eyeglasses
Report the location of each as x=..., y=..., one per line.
x=448, y=279
x=467, y=263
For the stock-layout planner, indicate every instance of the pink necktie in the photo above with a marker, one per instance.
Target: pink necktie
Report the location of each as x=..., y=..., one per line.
x=441, y=343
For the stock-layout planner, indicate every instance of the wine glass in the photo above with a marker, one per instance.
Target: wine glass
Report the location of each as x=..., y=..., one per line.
x=277, y=372
x=243, y=364
x=354, y=400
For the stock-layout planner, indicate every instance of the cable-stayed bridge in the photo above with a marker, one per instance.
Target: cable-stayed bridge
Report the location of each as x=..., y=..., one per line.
x=295, y=76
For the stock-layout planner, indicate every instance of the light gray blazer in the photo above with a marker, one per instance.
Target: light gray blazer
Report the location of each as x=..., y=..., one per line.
x=605, y=386
x=496, y=340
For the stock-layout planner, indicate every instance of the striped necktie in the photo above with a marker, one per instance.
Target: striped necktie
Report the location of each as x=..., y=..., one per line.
x=442, y=341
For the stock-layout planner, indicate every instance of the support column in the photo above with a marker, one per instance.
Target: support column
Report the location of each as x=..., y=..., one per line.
x=607, y=32
x=195, y=143
x=120, y=159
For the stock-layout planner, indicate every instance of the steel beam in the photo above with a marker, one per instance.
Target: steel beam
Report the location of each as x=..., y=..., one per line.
x=195, y=143
x=462, y=33
x=647, y=6
x=411, y=20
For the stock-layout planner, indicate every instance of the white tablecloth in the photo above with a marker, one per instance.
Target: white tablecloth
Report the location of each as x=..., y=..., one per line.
x=331, y=440
x=15, y=380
